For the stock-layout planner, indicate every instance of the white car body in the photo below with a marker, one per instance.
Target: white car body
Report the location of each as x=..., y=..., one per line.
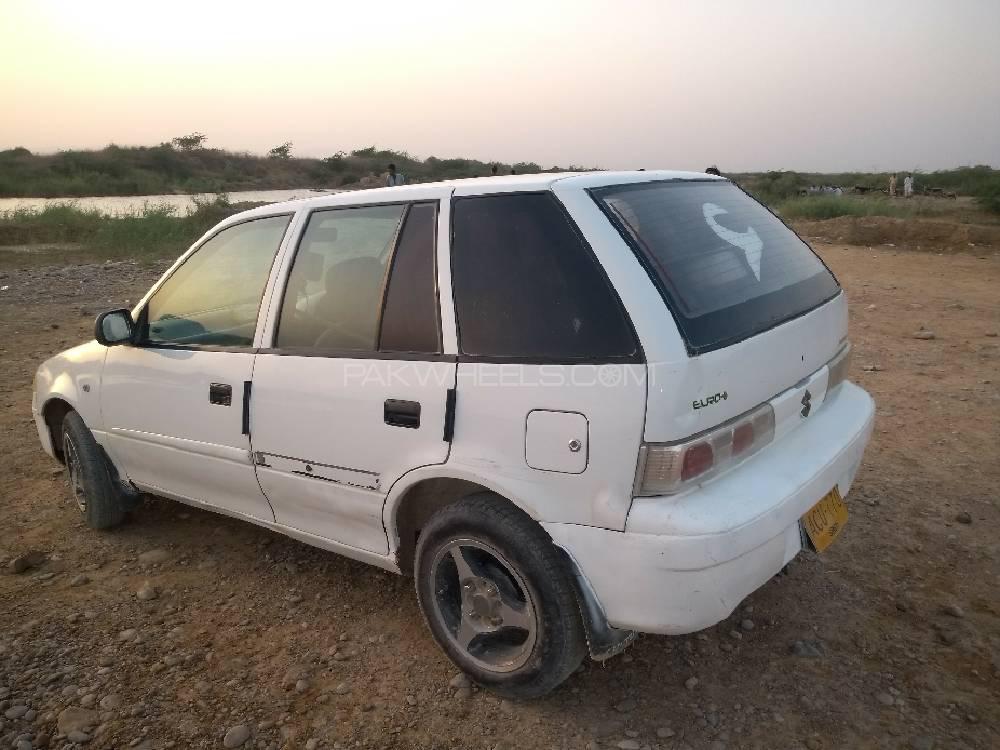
x=321, y=465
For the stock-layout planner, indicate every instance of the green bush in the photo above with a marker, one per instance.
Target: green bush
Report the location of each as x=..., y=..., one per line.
x=831, y=206
x=772, y=187
x=989, y=199
x=156, y=231
x=988, y=195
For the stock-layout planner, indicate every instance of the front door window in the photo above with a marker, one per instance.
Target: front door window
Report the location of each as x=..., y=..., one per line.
x=213, y=298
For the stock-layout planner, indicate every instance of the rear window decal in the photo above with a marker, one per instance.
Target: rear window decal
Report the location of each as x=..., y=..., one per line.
x=747, y=241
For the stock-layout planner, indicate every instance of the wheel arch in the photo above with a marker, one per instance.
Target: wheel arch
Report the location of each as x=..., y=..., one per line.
x=54, y=411
x=411, y=504
x=421, y=493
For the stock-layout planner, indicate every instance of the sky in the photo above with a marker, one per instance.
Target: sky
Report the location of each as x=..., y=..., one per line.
x=810, y=85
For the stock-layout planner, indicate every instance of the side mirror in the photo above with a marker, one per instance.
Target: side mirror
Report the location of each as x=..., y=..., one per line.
x=114, y=327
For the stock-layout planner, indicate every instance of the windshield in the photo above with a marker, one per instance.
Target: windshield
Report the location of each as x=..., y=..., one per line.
x=726, y=266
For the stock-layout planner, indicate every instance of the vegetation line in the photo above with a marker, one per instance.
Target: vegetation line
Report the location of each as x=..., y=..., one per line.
x=150, y=234
x=185, y=167
x=159, y=231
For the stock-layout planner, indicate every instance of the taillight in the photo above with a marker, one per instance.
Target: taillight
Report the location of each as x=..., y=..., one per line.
x=697, y=460
x=742, y=438
x=838, y=367
x=669, y=468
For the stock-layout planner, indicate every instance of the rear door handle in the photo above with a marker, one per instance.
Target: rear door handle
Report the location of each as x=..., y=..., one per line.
x=220, y=393
x=399, y=413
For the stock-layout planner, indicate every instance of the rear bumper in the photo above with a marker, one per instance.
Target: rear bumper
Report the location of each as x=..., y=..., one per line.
x=684, y=563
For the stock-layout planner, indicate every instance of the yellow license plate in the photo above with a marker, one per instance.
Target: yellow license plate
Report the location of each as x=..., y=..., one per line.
x=825, y=520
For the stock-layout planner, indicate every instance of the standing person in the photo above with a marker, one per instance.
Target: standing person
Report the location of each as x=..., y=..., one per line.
x=392, y=179
x=892, y=185
x=493, y=171
x=908, y=186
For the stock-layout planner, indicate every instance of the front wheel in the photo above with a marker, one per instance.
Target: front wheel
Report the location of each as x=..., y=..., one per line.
x=94, y=490
x=497, y=597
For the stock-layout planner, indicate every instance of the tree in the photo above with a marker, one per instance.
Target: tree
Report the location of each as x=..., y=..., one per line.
x=336, y=162
x=284, y=151
x=189, y=142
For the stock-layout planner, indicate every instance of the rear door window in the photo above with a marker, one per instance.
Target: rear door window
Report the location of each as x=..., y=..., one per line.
x=726, y=266
x=333, y=297
x=410, y=317
x=527, y=287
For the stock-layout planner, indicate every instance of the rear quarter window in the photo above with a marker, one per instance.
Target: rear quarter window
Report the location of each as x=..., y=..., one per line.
x=725, y=265
x=527, y=287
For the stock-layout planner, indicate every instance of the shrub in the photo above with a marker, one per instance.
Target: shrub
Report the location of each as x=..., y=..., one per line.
x=284, y=151
x=189, y=142
x=831, y=206
x=155, y=231
x=988, y=195
x=989, y=199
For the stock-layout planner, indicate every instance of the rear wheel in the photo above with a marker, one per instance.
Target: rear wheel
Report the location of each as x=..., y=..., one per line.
x=94, y=491
x=497, y=597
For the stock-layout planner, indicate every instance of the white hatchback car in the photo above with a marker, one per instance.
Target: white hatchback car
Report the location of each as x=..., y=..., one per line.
x=573, y=406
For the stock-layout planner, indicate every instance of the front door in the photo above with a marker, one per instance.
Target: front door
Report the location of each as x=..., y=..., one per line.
x=173, y=403
x=354, y=392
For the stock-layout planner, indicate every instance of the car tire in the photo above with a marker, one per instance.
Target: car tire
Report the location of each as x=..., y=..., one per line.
x=93, y=488
x=498, y=598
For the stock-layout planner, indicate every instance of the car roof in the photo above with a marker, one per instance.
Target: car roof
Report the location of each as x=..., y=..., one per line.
x=470, y=186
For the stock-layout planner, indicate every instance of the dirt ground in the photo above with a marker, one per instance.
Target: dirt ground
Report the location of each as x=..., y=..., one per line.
x=891, y=639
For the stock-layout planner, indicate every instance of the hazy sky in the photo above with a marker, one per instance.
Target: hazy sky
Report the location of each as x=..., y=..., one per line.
x=768, y=84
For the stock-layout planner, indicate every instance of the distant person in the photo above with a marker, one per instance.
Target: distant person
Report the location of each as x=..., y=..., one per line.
x=393, y=178
x=892, y=186
x=908, y=186
x=513, y=171
x=493, y=170
x=713, y=170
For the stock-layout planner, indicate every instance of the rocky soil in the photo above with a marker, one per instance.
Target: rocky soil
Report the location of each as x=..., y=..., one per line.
x=185, y=629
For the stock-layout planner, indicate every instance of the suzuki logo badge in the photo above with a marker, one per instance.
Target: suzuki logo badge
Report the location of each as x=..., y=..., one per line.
x=806, y=404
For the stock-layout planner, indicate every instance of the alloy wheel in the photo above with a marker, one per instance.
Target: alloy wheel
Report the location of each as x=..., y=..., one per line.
x=73, y=474
x=484, y=605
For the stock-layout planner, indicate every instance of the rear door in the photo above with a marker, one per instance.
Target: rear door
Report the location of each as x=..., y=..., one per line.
x=354, y=391
x=174, y=402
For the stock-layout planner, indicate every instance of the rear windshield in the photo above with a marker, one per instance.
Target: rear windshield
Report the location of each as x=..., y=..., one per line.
x=726, y=266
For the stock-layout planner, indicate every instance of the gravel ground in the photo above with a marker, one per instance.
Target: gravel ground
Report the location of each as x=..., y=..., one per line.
x=186, y=629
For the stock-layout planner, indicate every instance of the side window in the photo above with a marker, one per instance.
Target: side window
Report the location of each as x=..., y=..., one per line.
x=410, y=317
x=526, y=285
x=213, y=298
x=334, y=291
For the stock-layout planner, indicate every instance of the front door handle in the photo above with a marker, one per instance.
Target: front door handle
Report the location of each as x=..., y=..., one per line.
x=220, y=393
x=402, y=413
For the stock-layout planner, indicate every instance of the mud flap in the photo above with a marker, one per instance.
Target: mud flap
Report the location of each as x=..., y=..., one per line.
x=130, y=497
x=603, y=640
